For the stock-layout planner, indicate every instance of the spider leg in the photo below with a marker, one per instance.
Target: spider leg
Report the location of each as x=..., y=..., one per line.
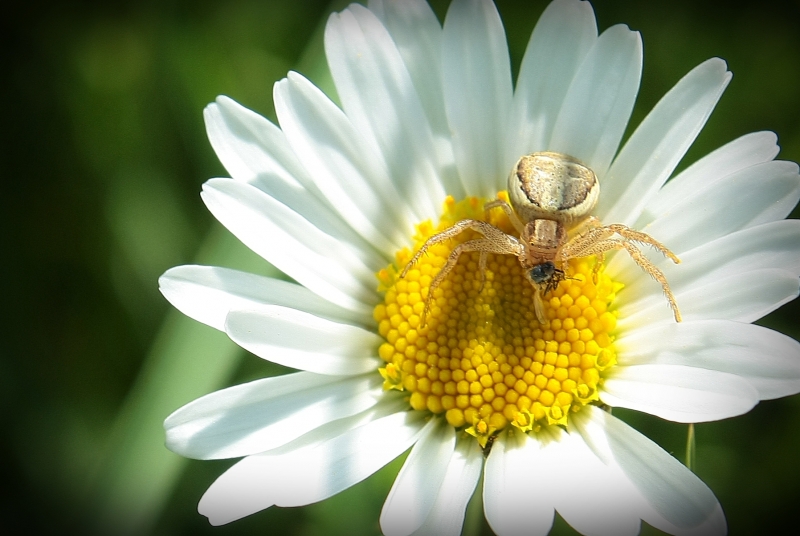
x=508, y=245
x=599, y=260
x=643, y=238
x=503, y=243
x=590, y=223
x=600, y=246
x=656, y=274
x=587, y=224
x=538, y=306
x=579, y=244
x=494, y=241
x=450, y=232
x=512, y=216
x=482, y=269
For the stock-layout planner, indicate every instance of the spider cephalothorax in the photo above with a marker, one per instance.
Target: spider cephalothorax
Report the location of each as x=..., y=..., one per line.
x=551, y=198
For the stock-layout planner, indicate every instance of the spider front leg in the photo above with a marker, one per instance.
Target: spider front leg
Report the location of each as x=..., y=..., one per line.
x=512, y=216
x=494, y=241
x=591, y=223
x=642, y=238
x=538, y=306
x=600, y=242
x=577, y=246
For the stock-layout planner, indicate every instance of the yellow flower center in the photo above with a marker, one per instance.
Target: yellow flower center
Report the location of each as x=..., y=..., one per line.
x=482, y=358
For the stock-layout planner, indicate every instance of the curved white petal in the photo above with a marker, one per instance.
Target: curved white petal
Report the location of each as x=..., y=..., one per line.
x=418, y=483
x=208, y=293
x=249, y=485
x=264, y=414
x=769, y=360
x=516, y=495
x=252, y=148
x=309, y=255
x=773, y=245
x=743, y=297
x=255, y=151
x=477, y=92
x=417, y=34
x=311, y=475
x=599, y=101
x=590, y=496
x=681, y=502
x=380, y=100
x=244, y=489
x=657, y=145
x=352, y=177
x=561, y=39
x=741, y=153
x=259, y=481
x=303, y=341
x=446, y=517
x=758, y=194
x=679, y=393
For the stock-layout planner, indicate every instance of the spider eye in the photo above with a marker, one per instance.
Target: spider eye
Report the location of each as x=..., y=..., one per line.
x=541, y=273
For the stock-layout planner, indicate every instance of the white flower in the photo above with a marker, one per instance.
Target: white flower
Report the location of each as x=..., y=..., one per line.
x=333, y=196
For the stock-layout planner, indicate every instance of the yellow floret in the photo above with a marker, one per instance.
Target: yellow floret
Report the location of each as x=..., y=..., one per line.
x=482, y=359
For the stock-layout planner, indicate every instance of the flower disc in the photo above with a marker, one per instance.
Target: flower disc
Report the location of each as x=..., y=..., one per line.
x=481, y=357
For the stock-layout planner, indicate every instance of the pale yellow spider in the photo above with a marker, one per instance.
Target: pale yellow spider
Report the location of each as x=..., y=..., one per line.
x=552, y=196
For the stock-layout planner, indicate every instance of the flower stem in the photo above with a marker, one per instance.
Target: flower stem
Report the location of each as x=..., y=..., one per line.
x=691, y=448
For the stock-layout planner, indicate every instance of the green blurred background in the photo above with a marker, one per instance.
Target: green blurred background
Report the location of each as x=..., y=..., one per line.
x=103, y=155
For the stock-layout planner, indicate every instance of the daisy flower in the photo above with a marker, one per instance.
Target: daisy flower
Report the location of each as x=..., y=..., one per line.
x=480, y=382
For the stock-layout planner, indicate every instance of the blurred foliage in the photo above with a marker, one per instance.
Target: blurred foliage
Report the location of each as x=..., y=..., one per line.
x=103, y=155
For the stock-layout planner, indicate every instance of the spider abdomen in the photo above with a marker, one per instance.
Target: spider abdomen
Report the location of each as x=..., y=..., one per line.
x=552, y=186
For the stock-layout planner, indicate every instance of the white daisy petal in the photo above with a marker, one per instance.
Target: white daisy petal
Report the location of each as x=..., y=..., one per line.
x=250, y=485
x=264, y=414
x=590, y=496
x=311, y=475
x=255, y=151
x=516, y=497
x=477, y=92
x=251, y=147
x=417, y=34
x=353, y=179
x=209, y=293
x=715, y=524
x=737, y=155
x=680, y=499
x=379, y=97
x=771, y=245
x=257, y=481
x=758, y=194
x=315, y=259
x=446, y=517
x=244, y=489
x=559, y=42
x=303, y=341
x=679, y=393
x=417, y=484
x=657, y=145
x=743, y=297
x=599, y=101
x=741, y=153
x=769, y=360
